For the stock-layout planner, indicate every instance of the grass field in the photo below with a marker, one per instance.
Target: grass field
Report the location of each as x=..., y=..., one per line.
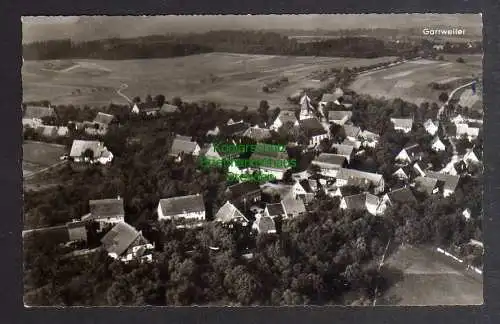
x=410, y=80
x=429, y=280
x=233, y=80
x=38, y=155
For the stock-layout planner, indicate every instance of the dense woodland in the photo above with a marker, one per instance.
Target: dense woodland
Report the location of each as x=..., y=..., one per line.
x=250, y=42
x=324, y=257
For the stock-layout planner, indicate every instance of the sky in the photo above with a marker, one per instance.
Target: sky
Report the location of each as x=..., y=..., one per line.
x=81, y=28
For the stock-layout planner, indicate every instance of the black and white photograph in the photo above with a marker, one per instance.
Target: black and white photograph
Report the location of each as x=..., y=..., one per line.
x=252, y=160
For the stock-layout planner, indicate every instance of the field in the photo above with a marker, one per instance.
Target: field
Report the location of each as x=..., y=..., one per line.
x=429, y=279
x=232, y=80
x=38, y=156
x=410, y=80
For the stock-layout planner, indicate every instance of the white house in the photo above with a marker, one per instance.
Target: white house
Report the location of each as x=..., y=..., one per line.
x=470, y=157
x=106, y=211
x=400, y=174
x=99, y=152
x=402, y=124
x=437, y=145
x=191, y=207
x=431, y=127
x=284, y=117
x=409, y=154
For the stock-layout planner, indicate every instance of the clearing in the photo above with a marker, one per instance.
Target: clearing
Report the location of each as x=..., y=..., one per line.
x=410, y=80
x=429, y=279
x=233, y=80
x=38, y=156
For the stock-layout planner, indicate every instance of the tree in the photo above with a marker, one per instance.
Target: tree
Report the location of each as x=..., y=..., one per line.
x=443, y=97
x=136, y=99
x=149, y=99
x=460, y=60
x=88, y=154
x=160, y=100
x=263, y=108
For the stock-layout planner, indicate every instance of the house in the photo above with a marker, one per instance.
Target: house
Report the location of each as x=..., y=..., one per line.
x=465, y=130
x=184, y=145
x=283, y=118
x=329, y=164
x=368, y=139
x=352, y=132
x=33, y=115
x=233, y=129
x=402, y=124
x=409, y=154
x=62, y=131
x=346, y=176
x=125, y=243
x=269, y=161
x=437, y=145
x=47, y=131
x=293, y=207
x=310, y=187
x=90, y=151
x=168, y=109
x=339, y=117
x=419, y=169
x=264, y=225
x=191, y=207
x=363, y=201
x=257, y=134
x=306, y=108
x=313, y=130
x=450, y=181
x=106, y=211
x=274, y=210
x=397, y=196
x=431, y=127
x=228, y=213
x=470, y=157
x=354, y=143
x=344, y=150
x=458, y=119
x=427, y=185
x=400, y=174
x=331, y=97
x=244, y=194
x=150, y=108
x=77, y=231
x=103, y=121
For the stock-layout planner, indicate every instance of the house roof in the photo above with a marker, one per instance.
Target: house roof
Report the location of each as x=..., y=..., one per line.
x=243, y=188
x=330, y=97
x=361, y=201
x=312, y=127
x=351, y=130
x=31, y=112
x=369, y=136
x=257, y=133
x=103, y=118
x=77, y=230
x=287, y=116
x=263, y=151
x=104, y=208
x=436, y=140
x=402, y=195
x=346, y=174
x=228, y=212
x=180, y=205
x=425, y=184
x=47, y=131
x=331, y=159
x=275, y=209
x=148, y=106
x=119, y=238
x=430, y=123
x=450, y=181
x=167, y=108
x=402, y=122
x=233, y=129
x=339, y=114
x=182, y=144
x=293, y=206
x=265, y=224
x=343, y=149
x=80, y=146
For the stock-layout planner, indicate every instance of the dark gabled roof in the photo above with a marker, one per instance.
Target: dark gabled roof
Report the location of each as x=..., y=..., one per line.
x=270, y=151
x=275, y=209
x=293, y=206
x=103, y=118
x=330, y=97
x=265, y=224
x=401, y=195
x=312, y=127
x=233, y=129
x=360, y=201
x=351, y=130
x=119, y=238
x=104, y=208
x=39, y=112
x=331, y=159
x=244, y=188
x=180, y=205
x=347, y=174
x=257, y=134
x=343, y=149
x=77, y=230
x=167, y=108
x=182, y=144
x=339, y=114
x=450, y=181
x=425, y=184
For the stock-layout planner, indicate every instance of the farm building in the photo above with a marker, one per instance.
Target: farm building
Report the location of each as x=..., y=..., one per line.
x=264, y=225
x=168, y=109
x=257, y=134
x=228, y=213
x=33, y=115
x=339, y=117
x=363, y=201
x=293, y=207
x=106, y=211
x=149, y=108
x=125, y=243
x=283, y=118
x=90, y=152
x=274, y=210
x=184, y=145
x=329, y=164
x=314, y=131
x=352, y=132
x=369, y=139
x=464, y=129
x=397, y=196
x=269, y=162
x=346, y=176
x=450, y=182
x=437, y=145
x=402, y=124
x=191, y=207
x=243, y=193
x=233, y=129
x=344, y=150
x=470, y=157
x=427, y=185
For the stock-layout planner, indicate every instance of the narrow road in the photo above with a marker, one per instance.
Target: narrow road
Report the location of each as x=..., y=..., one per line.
x=119, y=92
x=381, y=264
x=452, y=93
x=44, y=169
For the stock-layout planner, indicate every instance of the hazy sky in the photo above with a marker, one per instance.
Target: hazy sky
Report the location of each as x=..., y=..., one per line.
x=95, y=27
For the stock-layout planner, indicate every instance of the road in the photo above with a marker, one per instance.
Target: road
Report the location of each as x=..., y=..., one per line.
x=30, y=175
x=119, y=92
x=381, y=264
x=452, y=93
